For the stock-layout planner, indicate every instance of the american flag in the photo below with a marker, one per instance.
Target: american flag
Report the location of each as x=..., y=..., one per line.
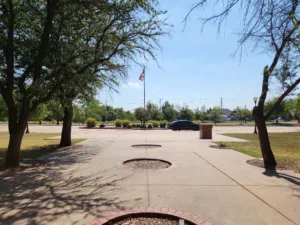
x=142, y=76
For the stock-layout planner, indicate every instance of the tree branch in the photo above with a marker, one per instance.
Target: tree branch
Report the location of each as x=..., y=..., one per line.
x=43, y=48
x=9, y=51
x=280, y=99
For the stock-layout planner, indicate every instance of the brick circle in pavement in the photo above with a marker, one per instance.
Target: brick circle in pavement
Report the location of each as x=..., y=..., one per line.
x=149, y=210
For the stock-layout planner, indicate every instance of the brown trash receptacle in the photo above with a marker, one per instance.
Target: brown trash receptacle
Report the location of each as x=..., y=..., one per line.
x=206, y=131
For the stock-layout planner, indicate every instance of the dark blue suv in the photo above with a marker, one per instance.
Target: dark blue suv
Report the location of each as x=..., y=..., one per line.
x=183, y=125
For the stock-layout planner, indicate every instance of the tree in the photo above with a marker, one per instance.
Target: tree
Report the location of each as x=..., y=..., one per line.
x=243, y=113
x=141, y=114
x=169, y=111
x=55, y=110
x=289, y=110
x=215, y=114
x=273, y=27
x=297, y=107
x=278, y=111
x=94, y=109
x=40, y=114
x=153, y=111
x=129, y=116
x=61, y=39
x=197, y=114
x=239, y=113
x=247, y=114
x=115, y=36
x=79, y=114
x=186, y=114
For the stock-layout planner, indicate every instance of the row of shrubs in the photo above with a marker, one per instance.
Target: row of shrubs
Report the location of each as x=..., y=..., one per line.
x=126, y=124
x=92, y=122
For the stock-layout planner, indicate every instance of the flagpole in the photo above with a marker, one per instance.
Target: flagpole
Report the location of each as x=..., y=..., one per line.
x=144, y=88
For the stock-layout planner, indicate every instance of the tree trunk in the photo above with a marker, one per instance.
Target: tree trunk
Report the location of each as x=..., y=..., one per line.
x=268, y=156
x=57, y=122
x=40, y=122
x=67, y=127
x=13, y=151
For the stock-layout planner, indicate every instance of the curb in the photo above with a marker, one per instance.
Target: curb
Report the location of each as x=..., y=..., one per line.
x=149, y=210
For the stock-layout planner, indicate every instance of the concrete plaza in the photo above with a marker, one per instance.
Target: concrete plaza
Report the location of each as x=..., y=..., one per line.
x=83, y=184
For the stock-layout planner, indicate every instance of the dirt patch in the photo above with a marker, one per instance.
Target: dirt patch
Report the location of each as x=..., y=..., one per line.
x=148, y=220
x=147, y=164
x=146, y=146
x=218, y=147
x=256, y=162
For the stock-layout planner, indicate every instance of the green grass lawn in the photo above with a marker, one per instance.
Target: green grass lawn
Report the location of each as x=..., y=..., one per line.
x=33, y=146
x=286, y=148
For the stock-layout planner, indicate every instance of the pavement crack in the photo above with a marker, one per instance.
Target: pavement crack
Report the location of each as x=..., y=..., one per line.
x=148, y=187
x=245, y=188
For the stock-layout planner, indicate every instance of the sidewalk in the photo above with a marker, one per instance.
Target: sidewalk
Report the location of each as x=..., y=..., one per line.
x=214, y=184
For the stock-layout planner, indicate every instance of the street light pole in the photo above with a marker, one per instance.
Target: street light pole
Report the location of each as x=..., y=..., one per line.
x=255, y=101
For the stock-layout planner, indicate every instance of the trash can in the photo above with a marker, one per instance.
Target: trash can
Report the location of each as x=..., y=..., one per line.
x=298, y=120
x=206, y=131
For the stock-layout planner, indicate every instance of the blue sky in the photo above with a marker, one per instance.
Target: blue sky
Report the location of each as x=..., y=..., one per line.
x=196, y=67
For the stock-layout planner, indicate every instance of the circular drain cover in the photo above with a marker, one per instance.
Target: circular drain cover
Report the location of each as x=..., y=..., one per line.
x=145, y=163
x=146, y=146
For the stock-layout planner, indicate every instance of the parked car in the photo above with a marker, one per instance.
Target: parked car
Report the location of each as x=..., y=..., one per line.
x=183, y=125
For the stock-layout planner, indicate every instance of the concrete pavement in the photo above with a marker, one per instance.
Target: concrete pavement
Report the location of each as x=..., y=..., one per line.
x=214, y=184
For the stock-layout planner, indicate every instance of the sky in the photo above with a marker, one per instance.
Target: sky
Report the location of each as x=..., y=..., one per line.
x=195, y=67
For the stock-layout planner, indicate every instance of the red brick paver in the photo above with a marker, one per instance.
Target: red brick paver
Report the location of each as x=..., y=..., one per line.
x=151, y=210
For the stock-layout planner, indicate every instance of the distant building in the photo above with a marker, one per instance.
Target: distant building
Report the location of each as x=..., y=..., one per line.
x=226, y=112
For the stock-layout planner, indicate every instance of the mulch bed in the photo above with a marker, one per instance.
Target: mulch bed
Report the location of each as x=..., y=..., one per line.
x=147, y=164
x=281, y=164
x=256, y=162
x=146, y=146
x=148, y=220
x=218, y=147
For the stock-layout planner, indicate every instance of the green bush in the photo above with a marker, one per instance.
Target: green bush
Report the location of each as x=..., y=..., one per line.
x=143, y=126
x=125, y=123
x=118, y=123
x=155, y=124
x=163, y=124
x=150, y=126
x=91, y=122
x=138, y=125
x=129, y=126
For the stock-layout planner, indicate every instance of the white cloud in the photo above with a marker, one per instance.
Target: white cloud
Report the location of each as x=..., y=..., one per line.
x=135, y=85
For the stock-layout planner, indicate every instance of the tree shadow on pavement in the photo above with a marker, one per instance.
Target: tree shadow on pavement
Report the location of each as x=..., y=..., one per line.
x=48, y=194
x=274, y=173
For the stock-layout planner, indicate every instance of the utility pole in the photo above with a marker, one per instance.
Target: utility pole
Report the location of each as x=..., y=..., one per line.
x=160, y=104
x=221, y=103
